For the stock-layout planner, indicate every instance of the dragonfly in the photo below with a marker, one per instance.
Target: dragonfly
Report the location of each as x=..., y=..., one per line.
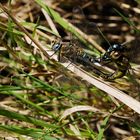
x=114, y=54
x=73, y=53
x=122, y=55
x=77, y=55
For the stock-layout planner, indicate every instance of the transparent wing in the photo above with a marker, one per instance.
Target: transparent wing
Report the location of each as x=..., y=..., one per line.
x=133, y=51
x=79, y=21
x=90, y=29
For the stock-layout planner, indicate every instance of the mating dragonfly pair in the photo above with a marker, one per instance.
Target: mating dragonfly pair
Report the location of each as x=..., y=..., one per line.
x=74, y=52
x=115, y=53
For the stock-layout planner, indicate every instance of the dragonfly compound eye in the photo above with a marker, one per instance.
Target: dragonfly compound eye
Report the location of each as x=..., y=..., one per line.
x=115, y=48
x=56, y=47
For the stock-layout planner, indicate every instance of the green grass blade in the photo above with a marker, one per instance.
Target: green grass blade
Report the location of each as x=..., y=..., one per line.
x=65, y=24
x=128, y=21
x=34, y=133
x=136, y=127
x=27, y=102
x=101, y=131
x=32, y=25
x=20, y=117
x=47, y=86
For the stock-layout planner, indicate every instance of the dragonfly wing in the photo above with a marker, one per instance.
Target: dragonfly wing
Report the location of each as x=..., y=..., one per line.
x=133, y=51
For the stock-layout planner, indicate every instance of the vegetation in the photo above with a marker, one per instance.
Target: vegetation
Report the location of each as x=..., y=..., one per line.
x=44, y=99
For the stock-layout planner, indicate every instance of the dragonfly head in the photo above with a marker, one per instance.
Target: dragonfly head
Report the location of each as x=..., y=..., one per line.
x=56, y=46
x=113, y=53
